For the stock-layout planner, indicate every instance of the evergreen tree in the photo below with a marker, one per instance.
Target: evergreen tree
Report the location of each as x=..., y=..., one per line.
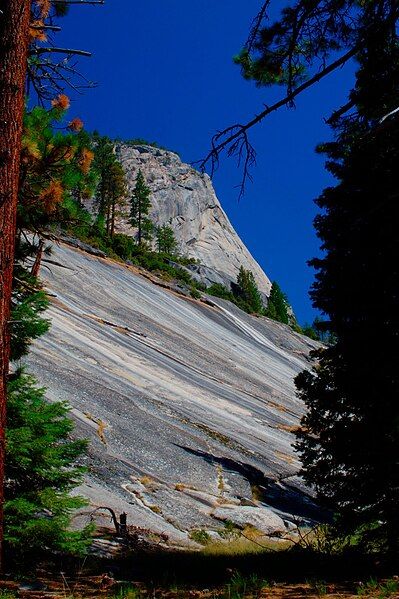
x=116, y=191
x=166, y=241
x=140, y=205
x=247, y=291
x=40, y=473
x=277, y=304
x=111, y=188
x=55, y=166
x=349, y=442
x=40, y=457
x=147, y=229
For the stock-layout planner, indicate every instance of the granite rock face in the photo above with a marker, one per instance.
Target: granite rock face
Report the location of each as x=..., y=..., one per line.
x=189, y=406
x=185, y=199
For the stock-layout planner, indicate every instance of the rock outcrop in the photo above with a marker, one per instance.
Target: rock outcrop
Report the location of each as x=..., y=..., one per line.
x=189, y=406
x=185, y=199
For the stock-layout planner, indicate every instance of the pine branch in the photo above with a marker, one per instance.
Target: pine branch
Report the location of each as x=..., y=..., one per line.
x=340, y=112
x=234, y=139
x=269, y=109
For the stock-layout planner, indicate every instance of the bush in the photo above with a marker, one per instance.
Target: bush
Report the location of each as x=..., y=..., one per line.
x=219, y=290
x=123, y=246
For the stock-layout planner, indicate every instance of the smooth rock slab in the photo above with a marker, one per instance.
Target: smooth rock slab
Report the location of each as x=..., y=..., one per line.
x=172, y=393
x=262, y=519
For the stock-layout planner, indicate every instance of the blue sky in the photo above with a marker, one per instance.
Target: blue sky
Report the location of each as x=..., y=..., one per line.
x=165, y=73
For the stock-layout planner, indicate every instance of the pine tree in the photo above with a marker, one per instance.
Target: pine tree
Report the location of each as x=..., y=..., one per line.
x=349, y=442
x=14, y=37
x=277, y=304
x=40, y=457
x=111, y=188
x=140, y=205
x=40, y=473
x=166, y=241
x=247, y=291
x=55, y=166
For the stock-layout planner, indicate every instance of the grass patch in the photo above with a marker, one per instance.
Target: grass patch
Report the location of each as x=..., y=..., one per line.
x=380, y=590
x=200, y=536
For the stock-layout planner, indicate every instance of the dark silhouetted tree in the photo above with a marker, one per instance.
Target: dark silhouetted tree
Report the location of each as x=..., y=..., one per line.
x=349, y=442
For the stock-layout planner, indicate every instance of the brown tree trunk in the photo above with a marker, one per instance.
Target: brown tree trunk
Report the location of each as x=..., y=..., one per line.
x=38, y=260
x=14, y=36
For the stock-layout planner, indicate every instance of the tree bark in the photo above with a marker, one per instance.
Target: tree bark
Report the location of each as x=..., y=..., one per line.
x=14, y=39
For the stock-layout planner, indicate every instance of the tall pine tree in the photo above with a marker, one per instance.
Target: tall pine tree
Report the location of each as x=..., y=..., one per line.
x=349, y=442
x=140, y=205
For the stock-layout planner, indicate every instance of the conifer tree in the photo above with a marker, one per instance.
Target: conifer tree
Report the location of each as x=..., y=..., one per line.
x=40, y=473
x=247, y=291
x=166, y=241
x=111, y=188
x=23, y=31
x=349, y=442
x=277, y=304
x=140, y=205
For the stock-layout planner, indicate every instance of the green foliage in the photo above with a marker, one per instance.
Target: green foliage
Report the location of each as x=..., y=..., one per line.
x=277, y=305
x=139, y=141
x=26, y=321
x=194, y=292
x=309, y=330
x=40, y=473
x=379, y=590
x=247, y=293
x=242, y=586
x=40, y=468
x=140, y=205
x=200, y=536
x=166, y=241
x=219, y=290
x=55, y=165
x=111, y=188
x=123, y=245
x=301, y=38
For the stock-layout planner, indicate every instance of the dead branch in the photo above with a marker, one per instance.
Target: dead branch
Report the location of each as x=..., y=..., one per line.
x=255, y=26
x=51, y=50
x=78, y=1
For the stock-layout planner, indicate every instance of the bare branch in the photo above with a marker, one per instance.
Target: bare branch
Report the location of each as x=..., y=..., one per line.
x=77, y=1
x=255, y=26
x=46, y=27
x=70, y=51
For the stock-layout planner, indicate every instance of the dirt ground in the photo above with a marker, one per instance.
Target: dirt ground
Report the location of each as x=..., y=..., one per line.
x=105, y=588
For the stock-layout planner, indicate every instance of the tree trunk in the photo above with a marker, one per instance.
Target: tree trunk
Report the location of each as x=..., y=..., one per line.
x=38, y=260
x=14, y=36
x=113, y=208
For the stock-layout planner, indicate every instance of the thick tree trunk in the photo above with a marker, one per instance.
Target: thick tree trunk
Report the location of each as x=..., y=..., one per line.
x=14, y=35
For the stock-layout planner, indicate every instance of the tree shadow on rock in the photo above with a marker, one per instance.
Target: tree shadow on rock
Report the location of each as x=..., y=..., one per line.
x=276, y=494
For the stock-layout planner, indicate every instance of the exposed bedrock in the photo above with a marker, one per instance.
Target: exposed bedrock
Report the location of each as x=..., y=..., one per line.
x=189, y=407
x=185, y=199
